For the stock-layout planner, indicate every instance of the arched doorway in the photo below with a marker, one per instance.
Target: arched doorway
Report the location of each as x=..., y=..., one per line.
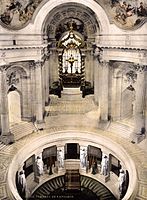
x=128, y=98
x=14, y=106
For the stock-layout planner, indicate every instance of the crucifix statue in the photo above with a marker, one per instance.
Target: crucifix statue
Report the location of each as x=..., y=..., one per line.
x=71, y=60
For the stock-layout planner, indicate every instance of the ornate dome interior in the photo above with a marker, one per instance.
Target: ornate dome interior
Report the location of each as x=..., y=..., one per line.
x=73, y=99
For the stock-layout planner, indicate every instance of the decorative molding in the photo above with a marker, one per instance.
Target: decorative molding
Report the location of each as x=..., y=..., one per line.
x=131, y=77
x=59, y=17
x=12, y=78
x=140, y=68
x=21, y=47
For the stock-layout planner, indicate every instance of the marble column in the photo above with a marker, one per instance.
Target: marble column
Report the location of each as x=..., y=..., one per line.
x=39, y=96
x=46, y=81
x=26, y=103
x=33, y=90
x=146, y=100
x=96, y=79
x=53, y=66
x=139, y=105
x=6, y=136
x=43, y=86
x=89, y=66
x=104, y=92
x=116, y=96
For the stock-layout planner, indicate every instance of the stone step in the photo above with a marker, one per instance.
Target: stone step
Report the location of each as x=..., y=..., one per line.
x=128, y=121
x=50, y=186
x=22, y=129
x=2, y=146
x=73, y=106
x=71, y=91
x=121, y=129
x=99, y=189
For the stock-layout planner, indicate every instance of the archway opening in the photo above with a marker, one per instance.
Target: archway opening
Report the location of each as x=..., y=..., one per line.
x=14, y=107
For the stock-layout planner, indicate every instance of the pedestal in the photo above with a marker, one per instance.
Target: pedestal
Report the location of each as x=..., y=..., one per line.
x=7, y=139
x=139, y=138
x=38, y=179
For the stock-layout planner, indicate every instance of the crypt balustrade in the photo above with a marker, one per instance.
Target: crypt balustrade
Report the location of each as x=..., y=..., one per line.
x=90, y=162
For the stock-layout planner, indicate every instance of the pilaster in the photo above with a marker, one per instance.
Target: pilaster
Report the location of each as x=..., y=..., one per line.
x=6, y=136
x=104, y=92
x=139, y=104
x=39, y=95
x=96, y=77
x=46, y=80
x=116, y=96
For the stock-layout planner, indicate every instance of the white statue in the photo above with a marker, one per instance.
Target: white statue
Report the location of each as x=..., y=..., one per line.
x=104, y=165
x=22, y=183
x=39, y=166
x=60, y=156
x=83, y=157
x=121, y=180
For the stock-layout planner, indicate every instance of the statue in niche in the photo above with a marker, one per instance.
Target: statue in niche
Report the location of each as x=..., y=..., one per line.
x=22, y=184
x=83, y=157
x=39, y=166
x=60, y=157
x=121, y=180
x=104, y=166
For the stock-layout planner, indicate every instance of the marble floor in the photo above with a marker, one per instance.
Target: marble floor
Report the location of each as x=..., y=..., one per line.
x=68, y=115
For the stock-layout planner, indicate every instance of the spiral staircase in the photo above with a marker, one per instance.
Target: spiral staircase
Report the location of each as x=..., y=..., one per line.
x=89, y=190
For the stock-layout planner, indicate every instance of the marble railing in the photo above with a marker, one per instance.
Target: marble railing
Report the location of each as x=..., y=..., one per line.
x=83, y=138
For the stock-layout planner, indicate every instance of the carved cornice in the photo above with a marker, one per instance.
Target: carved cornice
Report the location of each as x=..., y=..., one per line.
x=3, y=68
x=38, y=63
x=23, y=47
x=121, y=48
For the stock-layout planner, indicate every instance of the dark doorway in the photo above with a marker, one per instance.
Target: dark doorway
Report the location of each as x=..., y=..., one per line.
x=72, y=151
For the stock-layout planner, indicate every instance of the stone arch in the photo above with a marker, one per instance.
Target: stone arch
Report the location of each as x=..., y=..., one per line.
x=14, y=107
x=17, y=80
x=61, y=14
x=100, y=14
x=128, y=92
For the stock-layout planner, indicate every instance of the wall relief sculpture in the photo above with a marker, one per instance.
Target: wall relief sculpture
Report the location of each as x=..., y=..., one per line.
x=14, y=14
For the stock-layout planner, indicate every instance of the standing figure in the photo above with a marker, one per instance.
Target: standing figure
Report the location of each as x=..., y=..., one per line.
x=94, y=168
x=104, y=165
x=39, y=166
x=83, y=157
x=121, y=180
x=22, y=184
x=60, y=158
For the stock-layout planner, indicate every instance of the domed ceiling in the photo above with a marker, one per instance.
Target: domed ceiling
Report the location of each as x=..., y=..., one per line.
x=15, y=14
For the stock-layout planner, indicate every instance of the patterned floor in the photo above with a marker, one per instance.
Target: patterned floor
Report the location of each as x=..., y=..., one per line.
x=74, y=117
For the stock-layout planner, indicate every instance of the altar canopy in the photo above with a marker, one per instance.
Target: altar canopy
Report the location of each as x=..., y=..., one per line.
x=71, y=60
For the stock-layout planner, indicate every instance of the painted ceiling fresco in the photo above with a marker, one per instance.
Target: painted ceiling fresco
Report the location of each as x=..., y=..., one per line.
x=15, y=14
